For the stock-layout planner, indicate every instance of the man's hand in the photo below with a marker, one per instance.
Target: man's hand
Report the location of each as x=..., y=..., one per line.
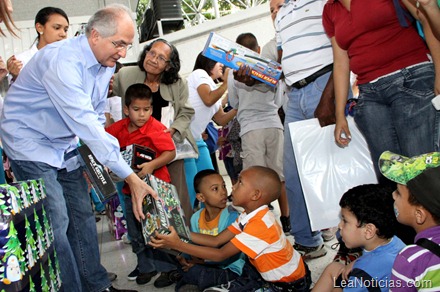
x=243, y=75
x=325, y=111
x=139, y=189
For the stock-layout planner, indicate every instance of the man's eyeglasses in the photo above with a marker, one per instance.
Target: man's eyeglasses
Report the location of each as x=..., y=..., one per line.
x=160, y=59
x=121, y=46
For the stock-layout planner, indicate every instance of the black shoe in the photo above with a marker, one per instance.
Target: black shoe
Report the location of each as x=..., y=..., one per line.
x=167, y=278
x=285, y=223
x=133, y=275
x=113, y=289
x=111, y=276
x=144, y=278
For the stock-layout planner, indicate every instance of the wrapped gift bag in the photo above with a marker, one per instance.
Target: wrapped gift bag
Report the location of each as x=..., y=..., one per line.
x=326, y=170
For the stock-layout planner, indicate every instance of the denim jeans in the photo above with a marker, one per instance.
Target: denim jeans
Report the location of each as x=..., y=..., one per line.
x=149, y=259
x=193, y=166
x=69, y=208
x=301, y=106
x=205, y=276
x=395, y=113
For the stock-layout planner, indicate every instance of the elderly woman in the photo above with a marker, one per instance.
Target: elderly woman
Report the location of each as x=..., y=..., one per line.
x=158, y=67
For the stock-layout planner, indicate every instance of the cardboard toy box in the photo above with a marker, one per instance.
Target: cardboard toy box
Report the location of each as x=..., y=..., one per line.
x=136, y=154
x=164, y=212
x=28, y=260
x=96, y=174
x=233, y=55
x=117, y=224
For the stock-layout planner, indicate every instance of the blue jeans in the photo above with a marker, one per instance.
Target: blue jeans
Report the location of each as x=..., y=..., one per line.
x=69, y=208
x=193, y=166
x=149, y=259
x=395, y=113
x=301, y=106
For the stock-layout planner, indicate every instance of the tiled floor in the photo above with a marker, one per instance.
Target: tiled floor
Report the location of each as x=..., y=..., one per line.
x=117, y=257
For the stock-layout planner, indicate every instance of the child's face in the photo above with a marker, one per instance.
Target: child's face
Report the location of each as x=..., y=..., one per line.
x=351, y=234
x=402, y=208
x=213, y=190
x=139, y=111
x=243, y=189
x=217, y=71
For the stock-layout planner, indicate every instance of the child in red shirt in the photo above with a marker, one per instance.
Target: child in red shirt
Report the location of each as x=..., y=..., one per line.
x=141, y=128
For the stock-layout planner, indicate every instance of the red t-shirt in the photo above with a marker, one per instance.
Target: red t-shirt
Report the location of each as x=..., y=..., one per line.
x=151, y=135
x=371, y=34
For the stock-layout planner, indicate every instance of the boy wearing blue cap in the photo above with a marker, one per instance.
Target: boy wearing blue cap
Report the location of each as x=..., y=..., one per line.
x=416, y=204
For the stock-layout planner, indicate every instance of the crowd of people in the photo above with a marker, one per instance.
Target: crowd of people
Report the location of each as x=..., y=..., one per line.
x=59, y=96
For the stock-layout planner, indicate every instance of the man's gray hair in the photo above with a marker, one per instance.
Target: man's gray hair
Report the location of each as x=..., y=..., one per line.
x=105, y=20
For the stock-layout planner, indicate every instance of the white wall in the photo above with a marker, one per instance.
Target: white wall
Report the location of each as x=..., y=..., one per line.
x=189, y=42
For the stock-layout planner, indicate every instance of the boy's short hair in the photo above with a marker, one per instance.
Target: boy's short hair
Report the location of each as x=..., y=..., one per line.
x=267, y=180
x=200, y=176
x=138, y=91
x=247, y=40
x=421, y=174
x=372, y=203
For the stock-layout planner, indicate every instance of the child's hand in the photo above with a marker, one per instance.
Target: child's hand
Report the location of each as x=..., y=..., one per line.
x=347, y=270
x=170, y=240
x=186, y=264
x=146, y=168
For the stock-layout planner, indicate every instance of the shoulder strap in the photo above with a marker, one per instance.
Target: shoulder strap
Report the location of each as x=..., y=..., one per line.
x=429, y=245
x=405, y=18
x=372, y=285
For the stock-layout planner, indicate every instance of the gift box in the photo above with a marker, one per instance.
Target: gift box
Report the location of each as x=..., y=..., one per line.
x=164, y=212
x=233, y=55
x=117, y=224
x=136, y=154
x=96, y=174
x=28, y=260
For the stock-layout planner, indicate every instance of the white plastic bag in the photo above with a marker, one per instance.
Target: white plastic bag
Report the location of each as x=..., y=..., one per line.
x=327, y=171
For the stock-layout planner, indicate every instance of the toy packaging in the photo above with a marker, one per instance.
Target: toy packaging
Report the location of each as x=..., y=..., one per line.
x=96, y=174
x=28, y=260
x=164, y=212
x=117, y=224
x=136, y=154
x=233, y=55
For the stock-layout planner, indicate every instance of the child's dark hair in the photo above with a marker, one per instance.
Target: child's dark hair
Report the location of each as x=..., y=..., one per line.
x=200, y=176
x=248, y=40
x=138, y=91
x=204, y=63
x=372, y=203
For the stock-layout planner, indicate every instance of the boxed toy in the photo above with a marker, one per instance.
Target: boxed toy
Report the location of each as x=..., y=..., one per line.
x=136, y=154
x=96, y=174
x=117, y=224
x=163, y=212
x=28, y=260
x=234, y=55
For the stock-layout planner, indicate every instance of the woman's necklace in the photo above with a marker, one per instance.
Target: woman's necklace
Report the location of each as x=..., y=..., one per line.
x=154, y=85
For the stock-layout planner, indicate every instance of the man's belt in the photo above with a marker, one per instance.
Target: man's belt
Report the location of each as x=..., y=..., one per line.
x=309, y=79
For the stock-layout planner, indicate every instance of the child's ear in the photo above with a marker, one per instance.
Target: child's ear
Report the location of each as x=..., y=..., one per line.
x=370, y=231
x=421, y=215
x=257, y=195
x=126, y=112
x=200, y=197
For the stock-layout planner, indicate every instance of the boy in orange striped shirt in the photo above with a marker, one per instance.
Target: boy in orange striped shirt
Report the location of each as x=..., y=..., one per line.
x=255, y=233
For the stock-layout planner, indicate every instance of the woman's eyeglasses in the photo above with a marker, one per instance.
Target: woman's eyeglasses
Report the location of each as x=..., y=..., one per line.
x=160, y=59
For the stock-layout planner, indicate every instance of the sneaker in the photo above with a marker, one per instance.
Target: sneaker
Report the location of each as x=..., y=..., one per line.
x=133, y=275
x=329, y=234
x=111, y=276
x=345, y=255
x=189, y=288
x=167, y=279
x=310, y=252
x=125, y=238
x=144, y=278
x=285, y=223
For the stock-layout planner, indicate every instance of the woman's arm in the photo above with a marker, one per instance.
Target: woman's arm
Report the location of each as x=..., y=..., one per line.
x=210, y=97
x=341, y=78
x=221, y=118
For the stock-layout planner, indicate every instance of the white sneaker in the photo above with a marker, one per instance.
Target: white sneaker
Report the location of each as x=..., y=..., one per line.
x=329, y=234
x=125, y=239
